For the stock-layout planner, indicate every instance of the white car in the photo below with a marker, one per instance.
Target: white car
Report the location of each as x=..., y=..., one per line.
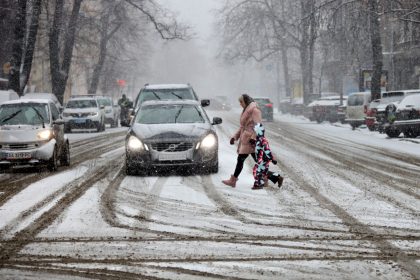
x=111, y=111
x=44, y=95
x=32, y=133
x=84, y=113
x=357, y=105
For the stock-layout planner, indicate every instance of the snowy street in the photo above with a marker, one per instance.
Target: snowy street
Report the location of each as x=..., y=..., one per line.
x=348, y=209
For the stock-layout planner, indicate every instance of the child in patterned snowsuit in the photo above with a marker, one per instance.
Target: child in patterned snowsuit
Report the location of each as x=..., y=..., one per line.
x=264, y=157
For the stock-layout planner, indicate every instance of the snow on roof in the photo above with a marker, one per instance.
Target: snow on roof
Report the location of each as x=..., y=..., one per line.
x=170, y=102
x=32, y=100
x=167, y=86
x=413, y=100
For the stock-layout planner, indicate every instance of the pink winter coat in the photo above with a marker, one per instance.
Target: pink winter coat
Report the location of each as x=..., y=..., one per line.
x=249, y=117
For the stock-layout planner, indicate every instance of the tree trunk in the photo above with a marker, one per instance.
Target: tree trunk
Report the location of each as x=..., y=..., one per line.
x=376, y=49
x=17, y=48
x=60, y=71
x=285, y=62
x=105, y=37
x=30, y=44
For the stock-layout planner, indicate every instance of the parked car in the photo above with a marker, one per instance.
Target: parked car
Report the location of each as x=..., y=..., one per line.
x=84, y=113
x=112, y=113
x=385, y=110
x=175, y=133
x=44, y=95
x=266, y=107
x=407, y=118
x=32, y=133
x=7, y=95
x=167, y=92
x=326, y=109
x=357, y=104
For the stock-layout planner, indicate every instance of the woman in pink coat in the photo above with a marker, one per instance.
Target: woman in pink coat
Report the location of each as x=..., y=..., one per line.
x=251, y=115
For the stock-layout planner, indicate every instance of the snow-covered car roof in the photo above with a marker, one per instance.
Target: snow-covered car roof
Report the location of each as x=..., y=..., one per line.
x=42, y=95
x=412, y=101
x=19, y=101
x=170, y=102
x=328, y=101
x=167, y=86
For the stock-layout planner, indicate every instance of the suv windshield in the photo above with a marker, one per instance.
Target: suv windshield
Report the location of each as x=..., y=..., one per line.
x=81, y=104
x=24, y=114
x=166, y=94
x=161, y=114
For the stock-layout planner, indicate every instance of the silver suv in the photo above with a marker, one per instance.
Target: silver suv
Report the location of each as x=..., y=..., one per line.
x=32, y=133
x=111, y=111
x=84, y=113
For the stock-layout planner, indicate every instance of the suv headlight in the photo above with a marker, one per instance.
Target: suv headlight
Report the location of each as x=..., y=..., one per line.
x=209, y=141
x=134, y=143
x=93, y=114
x=44, y=135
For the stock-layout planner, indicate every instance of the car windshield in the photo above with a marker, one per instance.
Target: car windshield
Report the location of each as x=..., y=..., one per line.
x=81, y=104
x=105, y=102
x=24, y=114
x=166, y=114
x=166, y=94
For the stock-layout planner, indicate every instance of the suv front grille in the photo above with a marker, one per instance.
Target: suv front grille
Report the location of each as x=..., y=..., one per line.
x=79, y=115
x=172, y=147
x=19, y=146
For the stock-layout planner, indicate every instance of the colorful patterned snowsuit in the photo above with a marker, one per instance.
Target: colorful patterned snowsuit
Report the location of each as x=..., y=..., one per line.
x=263, y=155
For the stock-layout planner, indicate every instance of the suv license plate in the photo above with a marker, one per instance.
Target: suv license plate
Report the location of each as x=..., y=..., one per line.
x=18, y=155
x=172, y=156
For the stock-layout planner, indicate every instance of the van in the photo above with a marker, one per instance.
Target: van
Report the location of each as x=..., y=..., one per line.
x=44, y=95
x=357, y=104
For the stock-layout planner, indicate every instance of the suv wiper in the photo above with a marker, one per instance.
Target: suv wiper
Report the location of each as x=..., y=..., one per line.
x=11, y=116
x=173, y=93
x=179, y=112
x=155, y=94
x=39, y=116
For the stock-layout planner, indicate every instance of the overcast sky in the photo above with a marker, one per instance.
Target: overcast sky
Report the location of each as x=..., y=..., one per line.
x=199, y=14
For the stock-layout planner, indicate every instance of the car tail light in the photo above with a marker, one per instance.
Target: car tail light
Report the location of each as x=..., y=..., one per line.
x=365, y=109
x=269, y=105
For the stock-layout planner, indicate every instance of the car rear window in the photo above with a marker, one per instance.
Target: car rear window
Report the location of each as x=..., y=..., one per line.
x=355, y=100
x=166, y=114
x=262, y=101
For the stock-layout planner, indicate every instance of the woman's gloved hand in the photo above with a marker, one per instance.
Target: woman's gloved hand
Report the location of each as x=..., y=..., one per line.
x=232, y=141
x=252, y=141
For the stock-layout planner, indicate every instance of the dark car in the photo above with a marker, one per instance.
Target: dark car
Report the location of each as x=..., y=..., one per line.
x=266, y=107
x=172, y=134
x=167, y=92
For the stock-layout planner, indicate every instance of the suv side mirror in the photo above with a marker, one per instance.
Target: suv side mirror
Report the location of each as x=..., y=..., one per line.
x=205, y=102
x=217, y=120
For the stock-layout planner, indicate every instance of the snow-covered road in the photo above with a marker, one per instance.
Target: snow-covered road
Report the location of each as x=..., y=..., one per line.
x=348, y=209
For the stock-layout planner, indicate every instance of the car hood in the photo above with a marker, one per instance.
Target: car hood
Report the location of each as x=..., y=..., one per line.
x=171, y=131
x=19, y=133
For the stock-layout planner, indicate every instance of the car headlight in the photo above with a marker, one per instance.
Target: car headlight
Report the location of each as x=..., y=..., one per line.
x=134, y=143
x=45, y=135
x=209, y=141
x=94, y=114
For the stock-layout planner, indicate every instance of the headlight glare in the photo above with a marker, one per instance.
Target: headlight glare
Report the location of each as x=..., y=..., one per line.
x=209, y=141
x=45, y=135
x=134, y=143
